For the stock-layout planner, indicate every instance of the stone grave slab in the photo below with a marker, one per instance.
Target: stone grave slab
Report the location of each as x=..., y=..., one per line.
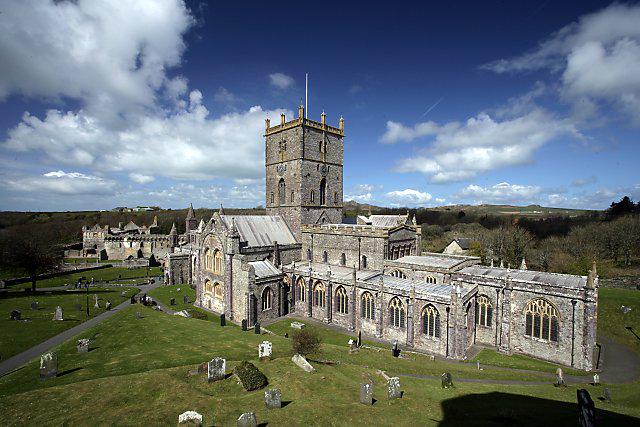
x=366, y=394
x=302, y=363
x=248, y=419
x=216, y=369
x=393, y=388
x=273, y=398
x=48, y=365
x=265, y=350
x=190, y=418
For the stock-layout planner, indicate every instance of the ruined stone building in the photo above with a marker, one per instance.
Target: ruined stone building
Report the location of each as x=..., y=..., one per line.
x=371, y=276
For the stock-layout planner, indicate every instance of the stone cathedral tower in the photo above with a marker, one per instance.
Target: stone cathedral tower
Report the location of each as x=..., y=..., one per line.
x=303, y=160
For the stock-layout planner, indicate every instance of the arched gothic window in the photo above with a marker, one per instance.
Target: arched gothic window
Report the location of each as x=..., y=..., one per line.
x=318, y=295
x=367, y=310
x=335, y=197
x=208, y=259
x=207, y=286
x=484, y=311
x=266, y=298
x=309, y=254
x=302, y=290
x=313, y=196
x=325, y=256
x=342, y=301
x=541, y=320
x=217, y=261
x=363, y=264
x=343, y=259
x=430, y=279
x=431, y=321
x=396, y=312
x=217, y=290
x=282, y=192
x=398, y=273
x=323, y=191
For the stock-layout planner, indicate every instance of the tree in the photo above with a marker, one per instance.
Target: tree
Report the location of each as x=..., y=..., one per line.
x=623, y=207
x=31, y=254
x=306, y=341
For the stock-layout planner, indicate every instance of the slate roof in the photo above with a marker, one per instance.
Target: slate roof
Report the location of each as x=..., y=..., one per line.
x=435, y=260
x=543, y=277
x=463, y=242
x=384, y=220
x=261, y=230
x=265, y=269
x=440, y=290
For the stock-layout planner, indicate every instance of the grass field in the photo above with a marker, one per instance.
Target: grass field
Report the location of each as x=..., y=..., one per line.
x=136, y=373
x=613, y=323
x=104, y=274
x=17, y=336
x=163, y=294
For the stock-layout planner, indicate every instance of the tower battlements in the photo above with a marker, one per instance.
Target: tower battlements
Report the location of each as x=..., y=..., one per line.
x=301, y=120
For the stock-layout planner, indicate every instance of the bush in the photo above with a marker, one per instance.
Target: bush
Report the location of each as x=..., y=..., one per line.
x=250, y=377
x=306, y=341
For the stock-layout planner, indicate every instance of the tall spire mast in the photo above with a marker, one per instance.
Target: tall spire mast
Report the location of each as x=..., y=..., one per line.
x=306, y=94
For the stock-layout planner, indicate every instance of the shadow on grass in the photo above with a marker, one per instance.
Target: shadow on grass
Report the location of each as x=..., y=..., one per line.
x=92, y=348
x=513, y=409
x=284, y=403
x=630, y=329
x=68, y=371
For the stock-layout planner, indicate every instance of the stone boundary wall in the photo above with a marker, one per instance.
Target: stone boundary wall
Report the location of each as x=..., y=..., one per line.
x=19, y=280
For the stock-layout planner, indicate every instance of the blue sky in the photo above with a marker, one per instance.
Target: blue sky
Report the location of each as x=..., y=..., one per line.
x=163, y=103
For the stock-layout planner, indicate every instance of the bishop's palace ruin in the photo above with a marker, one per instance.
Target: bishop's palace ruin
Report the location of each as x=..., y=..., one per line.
x=370, y=276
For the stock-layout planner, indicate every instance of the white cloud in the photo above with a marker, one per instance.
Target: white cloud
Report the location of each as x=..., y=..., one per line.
x=224, y=96
x=439, y=200
x=462, y=151
x=63, y=183
x=501, y=193
x=280, y=80
x=409, y=196
x=140, y=178
x=397, y=132
x=362, y=193
x=598, y=59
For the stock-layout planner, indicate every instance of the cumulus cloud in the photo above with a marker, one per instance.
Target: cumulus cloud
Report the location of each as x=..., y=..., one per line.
x=500, y=193
x=280, y=80
x=463, y=150
x=140, y=178
x=597, y=59
x=63, y=183
x=397, y=132
x=362, y=193
x=224, y=96
x=409, y=196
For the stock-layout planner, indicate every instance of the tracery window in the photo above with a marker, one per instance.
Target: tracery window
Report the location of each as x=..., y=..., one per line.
x=541, y=320
x=398, y=273
x=318, y=295
x=266, y=298
x=207, y=286
x=208, y=259
x=484, y=311
x=396, y=313
x=217, y=290
x=342, y=301
x=431, y=321
x=367, y=310
x=217, y=261
x=302, y=290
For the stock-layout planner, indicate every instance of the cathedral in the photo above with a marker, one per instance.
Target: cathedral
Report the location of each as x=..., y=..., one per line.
x=371, y=276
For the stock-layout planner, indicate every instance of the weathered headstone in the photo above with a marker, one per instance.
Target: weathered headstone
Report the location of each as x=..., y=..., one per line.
x=560, y=378
x=359, y=341
x=185, y=299
x=596, y=379
x=353, y=348
x=395, y=351
x=265, y=350
x=58, y=314
x=366, y=394
x=273, y=398
x=190, y=418
x=248, y=419
x=123, y=294
x=97, y=303
x=244, y=324
x=302, y=363
x=108, y=305
x=587, y=410
x=447, y=381
x=15, y=315
x=216, y=369
x=183, y=313
x=297, y=325
x=256, y=328
x=48, y=365
x=606, y=394
x=83, y=345
x=223, y=320
x=393, y=388
x=34, y=305
x=138, y=316
x=172, y=301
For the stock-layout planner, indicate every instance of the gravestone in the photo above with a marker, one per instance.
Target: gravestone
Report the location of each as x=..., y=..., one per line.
x=58, y=314
x=353, y=348
x=133, y=299
x=366, y=394
x=447, y=381
x=190, y=418
x=560, y=378
x=359, y=341
x=138, y=316
x=265, y=350
x=183, y=313
x=123, y=294
x=393, y=388
x=297, y=325
x=273, y=398
x=79, y=307
x=108, y=305
x=172, y=301
x=587, y=410
x=185, y=299
x=256, y=328
x=596, y=379
x=395, y=351
x=302, y=363
x=48, y=365
x=606, y=395
x=216, y=369
x=34, y=305
x=248, y=419
x=244, y=324
x=83, y=345
x=15, y=315
x=223, y=320
x=97, y=303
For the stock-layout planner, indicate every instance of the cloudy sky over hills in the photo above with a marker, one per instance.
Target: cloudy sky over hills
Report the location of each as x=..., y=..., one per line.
x=163, y=103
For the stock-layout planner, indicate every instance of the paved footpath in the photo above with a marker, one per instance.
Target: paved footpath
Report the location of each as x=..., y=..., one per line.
x=14, y=362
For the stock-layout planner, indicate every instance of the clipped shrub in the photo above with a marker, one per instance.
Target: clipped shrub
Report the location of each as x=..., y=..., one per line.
x=306, y=341
x=250, y=377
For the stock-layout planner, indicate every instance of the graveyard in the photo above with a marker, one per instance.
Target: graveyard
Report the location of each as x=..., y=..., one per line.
x=145, y=370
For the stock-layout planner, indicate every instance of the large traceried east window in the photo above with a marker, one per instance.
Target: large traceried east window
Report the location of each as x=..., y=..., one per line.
x=266, y=298
x=397, y=313
x=541, y=320
x=342, y=301
x=431, y=321
x=484, y=311
x=367, y=306
x=301, y=290
x=318, y=295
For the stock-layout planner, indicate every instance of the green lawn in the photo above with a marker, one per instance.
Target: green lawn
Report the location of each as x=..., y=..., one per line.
x=91, y=260
x=163, y=294
x=136, y=373
x=17, y=336
x=491, y=357
x=104, y=274
x=612, y=322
